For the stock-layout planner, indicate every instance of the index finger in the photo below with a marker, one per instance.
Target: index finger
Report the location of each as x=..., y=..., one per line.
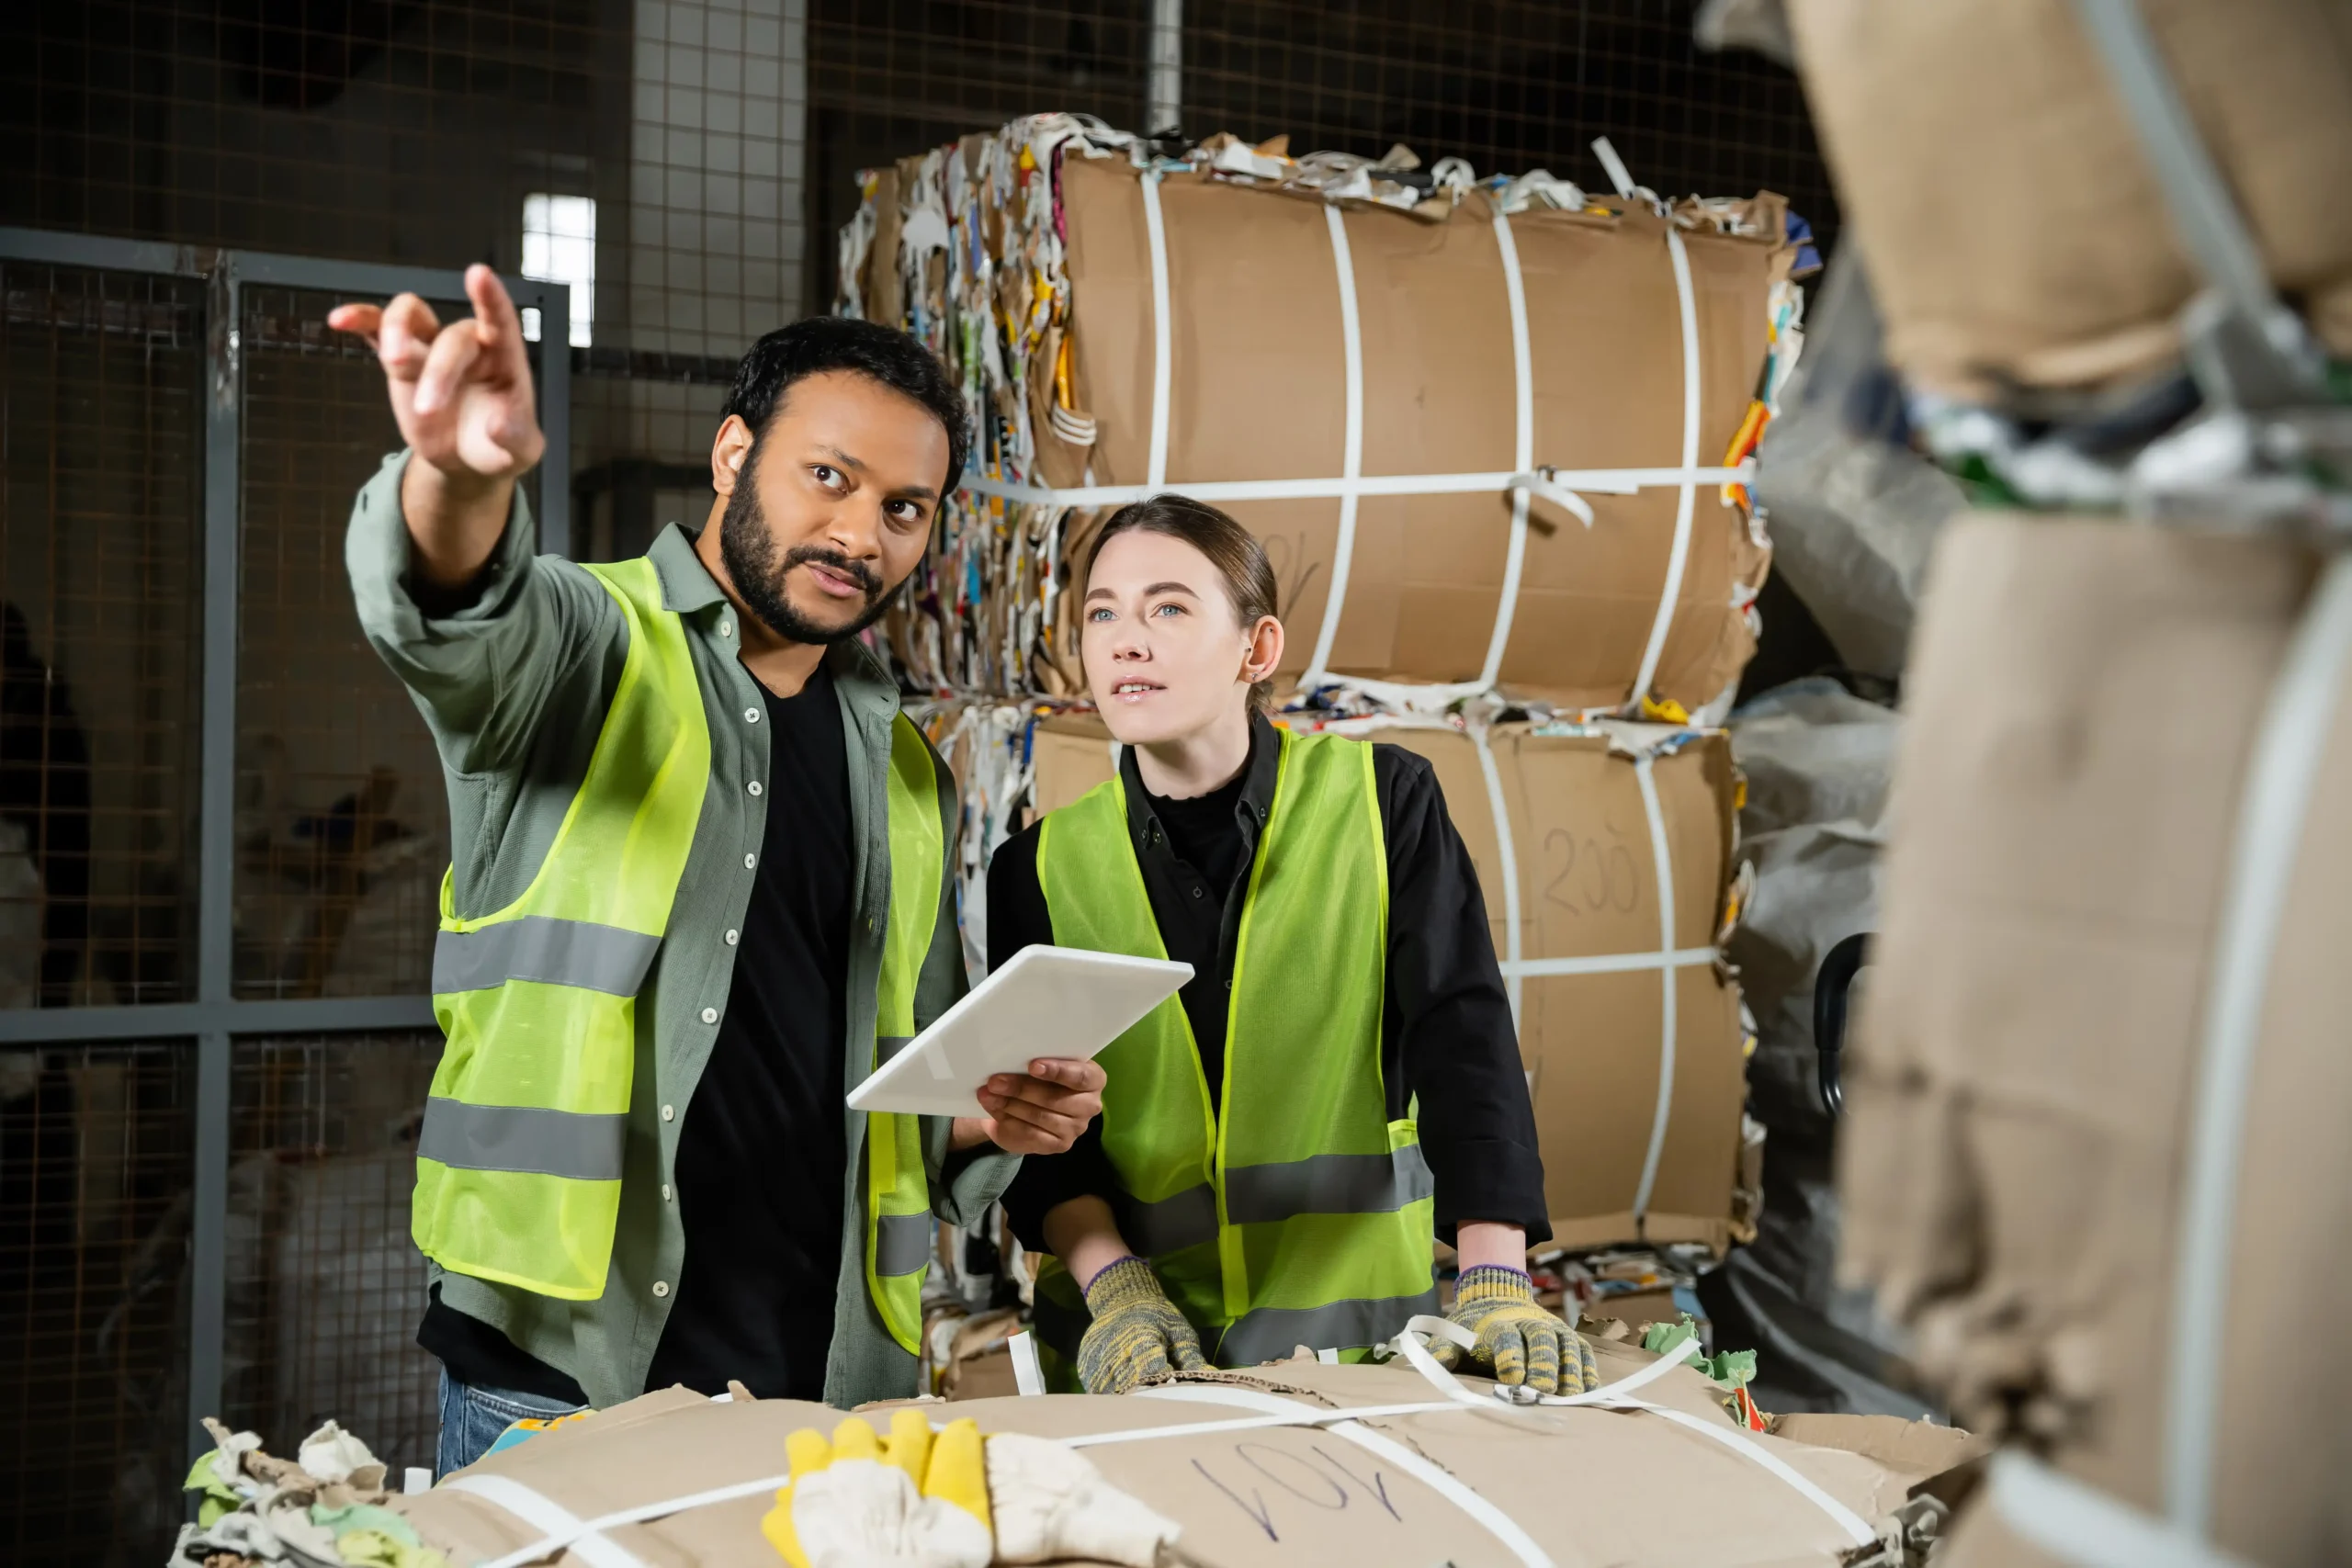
x=496, y=321
x=1070, y=1072
x=364, y=321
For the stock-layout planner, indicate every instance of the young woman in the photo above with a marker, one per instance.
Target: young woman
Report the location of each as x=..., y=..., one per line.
x=1339, y=1084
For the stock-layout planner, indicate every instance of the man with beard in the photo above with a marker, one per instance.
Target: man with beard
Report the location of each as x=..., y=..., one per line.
x=700, y=886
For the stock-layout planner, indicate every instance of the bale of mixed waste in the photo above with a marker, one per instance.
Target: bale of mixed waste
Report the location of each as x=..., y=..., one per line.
x=1265, y=331
x=1364, y=1463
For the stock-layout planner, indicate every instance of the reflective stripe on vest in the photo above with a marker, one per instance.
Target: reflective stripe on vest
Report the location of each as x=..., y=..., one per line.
x=1302, y=1211
x=518, y=1169
x=899, y=1233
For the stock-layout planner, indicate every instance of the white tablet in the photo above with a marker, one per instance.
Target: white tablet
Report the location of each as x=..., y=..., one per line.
x=1047, y=1002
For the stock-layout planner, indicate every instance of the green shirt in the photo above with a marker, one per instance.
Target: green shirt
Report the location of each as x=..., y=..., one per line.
x=514, y=687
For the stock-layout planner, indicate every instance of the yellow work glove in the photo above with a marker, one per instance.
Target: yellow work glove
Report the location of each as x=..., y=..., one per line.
x=916, y=1500
x=912, y=1500
x=1517, y=1339
x=1138, y=1335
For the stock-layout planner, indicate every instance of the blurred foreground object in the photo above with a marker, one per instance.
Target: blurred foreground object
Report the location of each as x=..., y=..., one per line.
x=2036, y=1039
x=2019, y=235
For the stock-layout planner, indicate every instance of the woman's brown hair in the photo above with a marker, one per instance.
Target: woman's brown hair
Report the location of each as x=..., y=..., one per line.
x=1232, y=549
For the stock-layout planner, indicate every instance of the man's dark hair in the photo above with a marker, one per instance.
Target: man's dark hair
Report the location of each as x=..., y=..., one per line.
x=811, y=348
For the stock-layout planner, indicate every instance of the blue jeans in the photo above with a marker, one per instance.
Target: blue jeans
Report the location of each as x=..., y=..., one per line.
x=471, y=1419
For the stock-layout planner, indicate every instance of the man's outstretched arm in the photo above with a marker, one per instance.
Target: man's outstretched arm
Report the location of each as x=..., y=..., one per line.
x=440, y=547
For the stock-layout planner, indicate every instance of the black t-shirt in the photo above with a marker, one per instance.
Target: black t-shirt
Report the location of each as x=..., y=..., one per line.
x=1210, y=854
x=763, y=1148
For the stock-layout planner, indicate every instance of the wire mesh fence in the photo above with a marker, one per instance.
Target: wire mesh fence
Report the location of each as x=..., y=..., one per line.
x=341, y=824
x=100, y=479
x=1509, y=84
x=325, y=1291
x=95, y=1146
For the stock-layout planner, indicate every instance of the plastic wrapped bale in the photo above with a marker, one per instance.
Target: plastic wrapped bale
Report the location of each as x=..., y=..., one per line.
x=1853, y=511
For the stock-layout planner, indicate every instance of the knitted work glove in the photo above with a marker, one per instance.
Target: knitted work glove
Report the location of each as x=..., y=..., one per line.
x=1138, y=1335
x=1516, y=1338
x=914, y=1499
x=923, y=1499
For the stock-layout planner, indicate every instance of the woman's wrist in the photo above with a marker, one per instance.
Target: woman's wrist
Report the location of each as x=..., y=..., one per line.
x=1082, y=1232
x=1477, y=1242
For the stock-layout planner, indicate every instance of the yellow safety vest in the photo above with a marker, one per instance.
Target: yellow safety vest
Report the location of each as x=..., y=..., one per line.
x=519, y=1159
x=1293, y=1212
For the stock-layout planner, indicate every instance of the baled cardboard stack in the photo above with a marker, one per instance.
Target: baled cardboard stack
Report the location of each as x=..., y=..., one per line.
x=1581, y=871
x=1026, y=258
x=1440, y=1485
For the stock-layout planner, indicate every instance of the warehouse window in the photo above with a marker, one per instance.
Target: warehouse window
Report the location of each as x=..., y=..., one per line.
x=559, y=247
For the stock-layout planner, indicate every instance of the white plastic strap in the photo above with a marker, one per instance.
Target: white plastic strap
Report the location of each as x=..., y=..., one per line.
x=1347, y=1425
x=1162, y=337
x=2296, y=730
x=582, y=1535
x=563, y=1527
x=1290, y=1415
x=1734, y=1438
x=1028, y=1377
x=1541, y=482
x=1351, y=451
x=1610, y=963
x=1604, y=481
x=1523, y=449
x=1678, y=559
x=1500, y=811
x=2081, y=1524
x=1613, y=165
x=1662, y=863
x=1410, y=1345
x=1619, y=1395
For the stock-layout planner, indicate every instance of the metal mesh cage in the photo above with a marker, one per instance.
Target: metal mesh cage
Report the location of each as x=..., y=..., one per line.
x=1509, y=84
x=101, y=377
x=341, y=825
x=95, y=1146
x=325, y=1291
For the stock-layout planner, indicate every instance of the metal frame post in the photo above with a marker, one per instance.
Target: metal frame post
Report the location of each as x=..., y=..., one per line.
x=555, y=418
x=1164, y=92
x=216, y=844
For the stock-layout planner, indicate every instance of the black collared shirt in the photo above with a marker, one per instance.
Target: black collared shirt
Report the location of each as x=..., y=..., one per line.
x=1446, y=1033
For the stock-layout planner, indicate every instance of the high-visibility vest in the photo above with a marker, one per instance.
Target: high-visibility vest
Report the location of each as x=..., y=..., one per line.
x=519, y=1159
x=1292, y=1211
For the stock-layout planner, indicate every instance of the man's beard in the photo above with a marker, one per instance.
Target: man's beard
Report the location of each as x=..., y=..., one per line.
x=745, y=544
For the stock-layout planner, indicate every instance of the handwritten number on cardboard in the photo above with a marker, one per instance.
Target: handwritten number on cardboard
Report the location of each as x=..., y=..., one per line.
x=1595, y=874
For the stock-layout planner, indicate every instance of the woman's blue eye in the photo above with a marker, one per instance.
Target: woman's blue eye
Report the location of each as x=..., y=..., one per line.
x=1168, y=609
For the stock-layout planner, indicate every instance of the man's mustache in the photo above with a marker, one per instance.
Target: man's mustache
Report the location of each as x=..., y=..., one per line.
x=833, y=560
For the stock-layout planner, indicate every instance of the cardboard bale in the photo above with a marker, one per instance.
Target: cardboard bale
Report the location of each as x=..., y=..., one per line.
x=1646, y=1490
x=2015, y=235
x=2084, y=697
x=1259, y=391
x=1588, y=889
